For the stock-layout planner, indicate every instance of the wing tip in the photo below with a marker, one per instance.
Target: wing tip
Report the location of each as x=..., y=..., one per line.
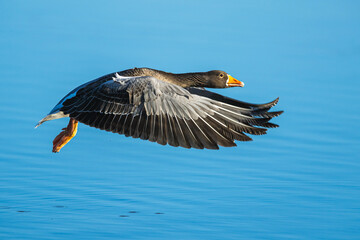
x=276, y=114
x=272, y=103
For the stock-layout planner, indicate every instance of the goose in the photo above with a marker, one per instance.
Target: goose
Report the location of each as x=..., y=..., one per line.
x=163, y=107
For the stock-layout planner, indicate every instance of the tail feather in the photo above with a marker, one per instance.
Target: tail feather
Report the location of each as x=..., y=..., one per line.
x=52, y=116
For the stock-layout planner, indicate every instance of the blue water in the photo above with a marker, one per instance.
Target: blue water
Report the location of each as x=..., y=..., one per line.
x=301, y=181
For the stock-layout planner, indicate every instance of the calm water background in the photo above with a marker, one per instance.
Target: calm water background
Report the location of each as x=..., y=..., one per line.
x=301, y=181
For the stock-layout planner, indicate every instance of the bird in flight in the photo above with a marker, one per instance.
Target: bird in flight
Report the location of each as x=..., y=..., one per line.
x=163, y=107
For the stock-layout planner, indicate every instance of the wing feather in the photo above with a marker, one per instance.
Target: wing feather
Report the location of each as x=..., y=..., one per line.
x=150, y=109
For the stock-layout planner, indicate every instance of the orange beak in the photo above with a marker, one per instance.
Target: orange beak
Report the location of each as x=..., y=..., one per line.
x=232, y=82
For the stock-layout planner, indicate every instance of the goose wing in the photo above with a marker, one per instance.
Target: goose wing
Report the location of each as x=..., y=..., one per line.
x=250, y=109
x=150, y=109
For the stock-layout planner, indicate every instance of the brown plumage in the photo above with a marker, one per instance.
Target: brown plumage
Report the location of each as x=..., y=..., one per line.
x=166, y=108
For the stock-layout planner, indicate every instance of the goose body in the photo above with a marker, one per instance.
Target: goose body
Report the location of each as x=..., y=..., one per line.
x=162, y=107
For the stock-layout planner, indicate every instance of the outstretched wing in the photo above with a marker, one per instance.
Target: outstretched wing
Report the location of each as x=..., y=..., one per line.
x=150, y=109
x=253, y=110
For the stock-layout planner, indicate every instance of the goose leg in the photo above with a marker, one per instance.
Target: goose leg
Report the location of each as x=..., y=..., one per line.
x=65, y=136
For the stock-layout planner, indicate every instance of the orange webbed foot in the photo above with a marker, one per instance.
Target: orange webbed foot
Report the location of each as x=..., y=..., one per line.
x=65, y=136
